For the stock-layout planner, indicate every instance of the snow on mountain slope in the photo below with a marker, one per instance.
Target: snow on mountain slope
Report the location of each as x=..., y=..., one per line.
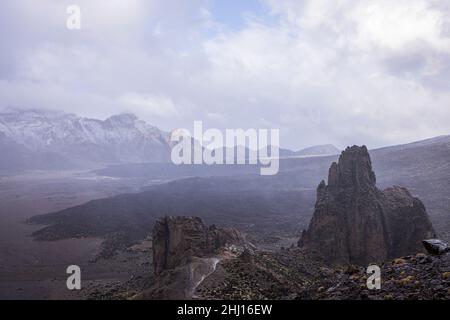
x=120, y=138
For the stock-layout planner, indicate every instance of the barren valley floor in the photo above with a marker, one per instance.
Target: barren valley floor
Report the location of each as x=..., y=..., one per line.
x=37, y=270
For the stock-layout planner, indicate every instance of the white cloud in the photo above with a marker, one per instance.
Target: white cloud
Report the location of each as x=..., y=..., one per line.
x=150, y=104
x=323, y=71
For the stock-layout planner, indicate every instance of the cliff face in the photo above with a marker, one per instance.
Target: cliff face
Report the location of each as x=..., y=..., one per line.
x=185, y=252
x=177, y=240
x=355, y=222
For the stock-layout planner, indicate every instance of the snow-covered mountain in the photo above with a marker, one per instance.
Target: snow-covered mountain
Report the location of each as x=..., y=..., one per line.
x=72, y=140
x=314, y=151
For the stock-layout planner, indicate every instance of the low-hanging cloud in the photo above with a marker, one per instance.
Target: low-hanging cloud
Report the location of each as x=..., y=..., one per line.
x=342, y=72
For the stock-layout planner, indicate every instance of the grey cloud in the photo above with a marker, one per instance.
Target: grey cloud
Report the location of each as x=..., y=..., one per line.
x=320, y=78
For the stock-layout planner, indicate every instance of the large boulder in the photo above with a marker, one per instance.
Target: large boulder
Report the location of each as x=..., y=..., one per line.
x=355, y=222
x=436, y=246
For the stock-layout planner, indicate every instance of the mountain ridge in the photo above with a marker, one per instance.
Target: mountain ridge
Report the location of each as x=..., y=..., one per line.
x=119, y=138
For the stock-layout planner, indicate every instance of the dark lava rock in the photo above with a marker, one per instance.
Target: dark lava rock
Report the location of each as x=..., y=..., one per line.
x=436, y=246
x=355, y=222
x=247, y=256
x=421, y=277
x=284, y=275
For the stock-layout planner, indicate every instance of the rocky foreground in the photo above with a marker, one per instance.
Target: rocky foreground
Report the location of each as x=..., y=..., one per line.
x=292, y=275
x=418, y=277
x=354, y=225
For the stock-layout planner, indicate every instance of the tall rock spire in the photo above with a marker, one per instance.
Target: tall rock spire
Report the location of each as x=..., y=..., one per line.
x=353, y=171
x=355, y=222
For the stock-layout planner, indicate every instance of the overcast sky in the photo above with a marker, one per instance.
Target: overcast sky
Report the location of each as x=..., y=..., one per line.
x=374, y=72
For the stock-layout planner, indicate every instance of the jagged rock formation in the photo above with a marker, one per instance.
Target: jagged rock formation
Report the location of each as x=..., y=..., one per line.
x=176, y=240
x=185, y=252
x=355, y=222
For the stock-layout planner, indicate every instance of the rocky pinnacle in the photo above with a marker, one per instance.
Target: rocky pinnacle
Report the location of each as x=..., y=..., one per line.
x=355, y=222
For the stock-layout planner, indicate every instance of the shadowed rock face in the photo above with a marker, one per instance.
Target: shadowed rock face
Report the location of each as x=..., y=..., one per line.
x=355, y=222
x=185, y=252
x=177, y=240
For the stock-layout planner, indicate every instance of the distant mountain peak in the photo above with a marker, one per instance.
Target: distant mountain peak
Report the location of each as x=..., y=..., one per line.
x=120, y=138
x=319, y=150
x=123, y=118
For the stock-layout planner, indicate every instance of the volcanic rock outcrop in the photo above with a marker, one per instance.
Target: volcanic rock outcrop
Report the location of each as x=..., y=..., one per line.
x=176, y=240
x=185, y=252
x=355, y=222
